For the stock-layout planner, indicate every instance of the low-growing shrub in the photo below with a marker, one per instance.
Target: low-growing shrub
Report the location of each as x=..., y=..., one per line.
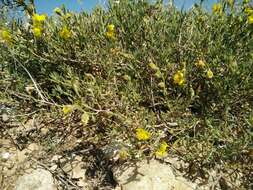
x=146, y=74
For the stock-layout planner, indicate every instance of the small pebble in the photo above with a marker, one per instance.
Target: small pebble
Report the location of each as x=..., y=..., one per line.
x=5, y=117
x=6, y=155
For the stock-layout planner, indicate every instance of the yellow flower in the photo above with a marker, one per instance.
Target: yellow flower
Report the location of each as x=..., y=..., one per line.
x=162, y=151
x=248, y=11
x=217, y=8
x=37, y=31
x=110, y=28
x=110, y=35
x=142, y=134
x=250, y=19
x=66, y=109
x=200, y=64
x=65, y=33
x=179, y=78
x=38, y=20
x=5, y=35
x=85, y=118
x=110, y=32
x=209, y=74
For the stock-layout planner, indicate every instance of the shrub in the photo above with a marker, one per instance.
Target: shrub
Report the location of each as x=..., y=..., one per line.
x=141, y=65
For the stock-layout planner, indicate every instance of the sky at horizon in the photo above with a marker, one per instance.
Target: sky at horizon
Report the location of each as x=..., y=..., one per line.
x=47, y=6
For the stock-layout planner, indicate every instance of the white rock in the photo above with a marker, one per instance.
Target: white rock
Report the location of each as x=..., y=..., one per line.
x=78, y=171
x=6, y=155
x=5, y=117
x=150, y=176
x=182, y=184
x=39, y=179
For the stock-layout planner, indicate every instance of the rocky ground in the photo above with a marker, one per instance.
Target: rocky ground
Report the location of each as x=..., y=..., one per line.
x=29, y=163
x=24, y=169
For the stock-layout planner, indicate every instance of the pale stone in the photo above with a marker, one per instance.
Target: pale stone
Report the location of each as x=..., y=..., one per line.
x=78, y=171
x=67, y=168
x=150, y=176
x=37, y=180
x=181, y=183
x=176, y=163
x=5, y=117
x=44, y=131
x=6, y=155
x=79, y=158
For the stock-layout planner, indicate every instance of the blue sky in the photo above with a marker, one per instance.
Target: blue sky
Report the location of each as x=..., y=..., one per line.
x=47, y=6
